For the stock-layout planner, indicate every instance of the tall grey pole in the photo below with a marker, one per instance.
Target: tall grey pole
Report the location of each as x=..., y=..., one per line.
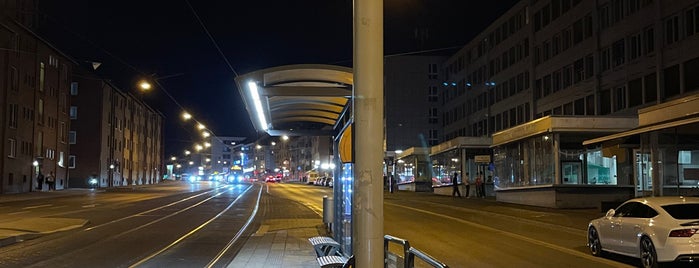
x=367, y=199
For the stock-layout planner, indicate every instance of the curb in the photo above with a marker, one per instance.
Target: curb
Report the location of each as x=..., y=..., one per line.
x=20, y=237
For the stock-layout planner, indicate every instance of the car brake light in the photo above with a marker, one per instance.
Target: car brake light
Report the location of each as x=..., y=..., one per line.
x=683, y=233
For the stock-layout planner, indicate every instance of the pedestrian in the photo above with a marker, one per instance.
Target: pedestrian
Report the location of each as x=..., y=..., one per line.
x=51, y=181
x=479, y=184
x=466, y=181
x=393, y=183
x=40, y=181
x=455, y=183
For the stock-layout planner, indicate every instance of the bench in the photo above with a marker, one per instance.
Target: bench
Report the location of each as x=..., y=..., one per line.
x=332, y=261
x=324, y=246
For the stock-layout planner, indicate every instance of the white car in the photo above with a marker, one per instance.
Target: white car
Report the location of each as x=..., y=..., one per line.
x=653, y=229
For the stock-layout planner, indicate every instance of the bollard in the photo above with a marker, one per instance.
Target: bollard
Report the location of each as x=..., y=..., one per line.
x=327, y=211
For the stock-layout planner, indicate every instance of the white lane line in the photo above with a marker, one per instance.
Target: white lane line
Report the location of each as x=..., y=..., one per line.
x=39, y=206
x=18, y=212
x=516, y=236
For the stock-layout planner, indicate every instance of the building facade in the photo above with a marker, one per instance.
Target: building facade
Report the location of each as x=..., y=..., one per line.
x=559, y=60
x=223, y=153
x=34, y=84
x=411, y=100
x=127, y=132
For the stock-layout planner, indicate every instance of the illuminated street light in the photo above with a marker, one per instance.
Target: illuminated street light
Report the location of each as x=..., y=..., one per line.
x=207, y=144
x=201, y=126
x=191, y=163
x=178, y=166
x=173, y=158
x=187, y=152
x=208, y=160
x=186, y=116
x=198, y=147
x=285, y=137
x=258, y=147
x=205, y=134
x=274, y=143
x=145, y=85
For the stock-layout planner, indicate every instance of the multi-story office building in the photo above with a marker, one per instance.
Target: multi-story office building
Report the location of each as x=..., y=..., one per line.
x=115, y=138
x=34, y=83
x=411, y=100
x=548, y=75
x=223, y=153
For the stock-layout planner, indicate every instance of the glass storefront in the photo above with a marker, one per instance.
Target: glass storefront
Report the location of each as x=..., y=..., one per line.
x=412, y=168
x=444, y=165
x=525, y=163
x=668, y=158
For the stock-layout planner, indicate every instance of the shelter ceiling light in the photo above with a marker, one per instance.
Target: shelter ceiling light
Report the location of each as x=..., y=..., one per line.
x=258, y=105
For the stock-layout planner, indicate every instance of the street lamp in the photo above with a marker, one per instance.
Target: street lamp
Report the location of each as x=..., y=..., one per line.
x=111, y=175
x=145, y=85
x=186, y=116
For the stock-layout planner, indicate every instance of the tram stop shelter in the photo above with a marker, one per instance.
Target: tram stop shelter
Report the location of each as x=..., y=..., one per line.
x=308, y=100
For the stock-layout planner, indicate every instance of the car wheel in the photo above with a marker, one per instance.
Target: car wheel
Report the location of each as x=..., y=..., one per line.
x=649, y=258
x=593, y=242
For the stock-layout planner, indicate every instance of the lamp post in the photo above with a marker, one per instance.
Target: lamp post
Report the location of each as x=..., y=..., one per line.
x=111, y=175
x=37, y=166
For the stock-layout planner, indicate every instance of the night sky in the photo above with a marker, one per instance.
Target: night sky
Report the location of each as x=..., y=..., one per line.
x=165, y=39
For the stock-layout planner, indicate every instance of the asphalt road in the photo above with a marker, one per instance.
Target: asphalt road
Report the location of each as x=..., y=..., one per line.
x=178, y=225
x=199, y=225
x=477, y=232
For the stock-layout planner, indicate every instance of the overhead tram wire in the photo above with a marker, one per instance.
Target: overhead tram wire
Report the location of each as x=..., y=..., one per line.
x=105, y=51
x=211, y=38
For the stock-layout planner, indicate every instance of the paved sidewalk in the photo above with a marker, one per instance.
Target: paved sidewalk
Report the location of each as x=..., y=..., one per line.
x=280, y=243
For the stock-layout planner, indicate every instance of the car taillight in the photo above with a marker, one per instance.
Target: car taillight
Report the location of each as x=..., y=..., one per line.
x=683, y=233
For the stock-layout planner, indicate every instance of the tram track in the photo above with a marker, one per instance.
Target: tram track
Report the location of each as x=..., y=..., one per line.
x=152, y=258
x=133, y=232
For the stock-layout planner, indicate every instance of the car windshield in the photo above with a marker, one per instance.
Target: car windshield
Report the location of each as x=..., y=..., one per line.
x=683, y=211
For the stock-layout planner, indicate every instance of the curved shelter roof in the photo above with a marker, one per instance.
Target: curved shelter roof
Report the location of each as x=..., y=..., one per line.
x=304, y=99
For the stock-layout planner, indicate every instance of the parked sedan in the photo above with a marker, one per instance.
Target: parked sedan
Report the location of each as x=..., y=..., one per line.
x=653, y=229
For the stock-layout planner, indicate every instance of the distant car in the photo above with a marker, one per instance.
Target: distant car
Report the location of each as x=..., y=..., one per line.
x=653, y=229
x=270, y=179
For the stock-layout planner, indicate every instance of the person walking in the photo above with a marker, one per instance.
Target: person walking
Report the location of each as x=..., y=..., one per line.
x=51, y=181
x=467, y=182
x=40, y=181
x=479, y=184
x=455, y=183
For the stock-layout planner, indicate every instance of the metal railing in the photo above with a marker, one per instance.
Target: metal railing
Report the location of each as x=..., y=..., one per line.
x=409, y=253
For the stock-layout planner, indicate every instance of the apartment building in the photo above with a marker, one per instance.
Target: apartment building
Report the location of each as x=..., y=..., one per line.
x=34, y=103
x=547, y=75
x=115, y=137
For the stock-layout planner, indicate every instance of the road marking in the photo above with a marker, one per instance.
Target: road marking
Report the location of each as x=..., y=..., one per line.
x=18, y=212
x=39, y=206
x=516, y=236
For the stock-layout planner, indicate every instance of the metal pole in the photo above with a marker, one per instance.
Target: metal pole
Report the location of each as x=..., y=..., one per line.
x=367, y=202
